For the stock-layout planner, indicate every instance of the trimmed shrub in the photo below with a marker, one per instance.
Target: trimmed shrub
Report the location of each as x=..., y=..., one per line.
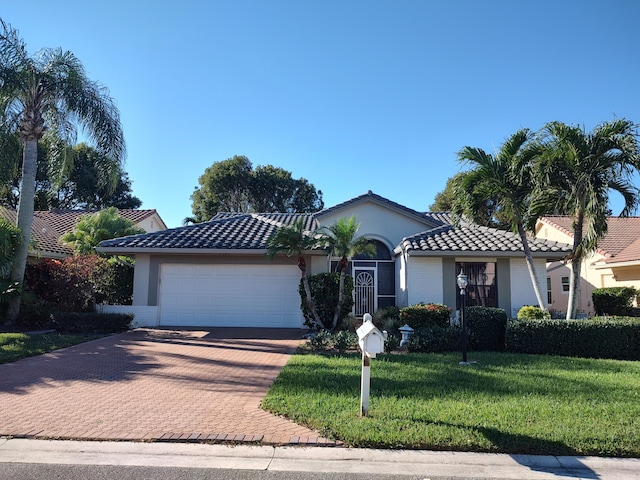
x=89, y=322
x=616, y=338
x=529, y=311
x=613, y=300
x=426, y=315
x=435, y=339
x=382, y=316
x=324, y=291
x=486, y=328
x=344, y=340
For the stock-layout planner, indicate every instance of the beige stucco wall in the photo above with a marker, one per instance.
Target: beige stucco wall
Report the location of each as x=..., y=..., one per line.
x=378, y=222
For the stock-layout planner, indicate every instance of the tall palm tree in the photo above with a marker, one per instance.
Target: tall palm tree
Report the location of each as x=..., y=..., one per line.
x=49, y=91
x=577, y=170
x=506, y=178
x=341, y=239
x=295, y=240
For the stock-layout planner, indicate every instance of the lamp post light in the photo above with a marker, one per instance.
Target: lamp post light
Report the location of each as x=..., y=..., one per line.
x=462, y=284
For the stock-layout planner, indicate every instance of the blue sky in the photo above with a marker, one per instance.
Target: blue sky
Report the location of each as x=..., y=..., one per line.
x=353, y=95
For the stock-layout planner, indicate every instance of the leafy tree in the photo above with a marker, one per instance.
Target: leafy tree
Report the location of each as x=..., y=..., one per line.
x=87, y=180
x=576, y=172
x=94, y=228
x=295, y=240
x=341, y=240
x=232, y=185
x=506, y=177
x=46, y=92
x=223, y=187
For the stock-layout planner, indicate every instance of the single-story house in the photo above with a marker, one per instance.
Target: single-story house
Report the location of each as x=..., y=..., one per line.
x=49, y=225
x=217, y=273
x=615, y=263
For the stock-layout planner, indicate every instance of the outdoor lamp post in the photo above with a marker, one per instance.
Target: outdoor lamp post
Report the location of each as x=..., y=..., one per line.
x=462, y=284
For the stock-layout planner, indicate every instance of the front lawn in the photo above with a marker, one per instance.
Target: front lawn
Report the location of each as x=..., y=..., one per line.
x=503, y=403
x=14, y=346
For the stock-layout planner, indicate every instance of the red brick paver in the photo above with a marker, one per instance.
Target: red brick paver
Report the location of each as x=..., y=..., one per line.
x=169, y=385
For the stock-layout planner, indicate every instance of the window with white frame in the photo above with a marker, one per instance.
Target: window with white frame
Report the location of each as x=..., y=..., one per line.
x=565, y=284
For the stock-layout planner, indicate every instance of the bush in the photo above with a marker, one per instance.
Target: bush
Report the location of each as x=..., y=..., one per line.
x=613, y=300
x=435, y=339
x=324, y=291
x=616, y=338
x=344, y=340
x=486, y=328
x=73, y=322
x=340, y=341
x=384, y=315
x=426, y=315
x=529, y=311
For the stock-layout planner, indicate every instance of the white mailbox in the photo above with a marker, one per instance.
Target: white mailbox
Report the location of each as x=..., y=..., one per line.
x=370, y=339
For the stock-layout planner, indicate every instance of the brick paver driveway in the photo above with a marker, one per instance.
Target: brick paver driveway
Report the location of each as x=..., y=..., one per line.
x=152, y=384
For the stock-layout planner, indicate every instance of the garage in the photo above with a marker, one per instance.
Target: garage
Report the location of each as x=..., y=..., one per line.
x=229, y=296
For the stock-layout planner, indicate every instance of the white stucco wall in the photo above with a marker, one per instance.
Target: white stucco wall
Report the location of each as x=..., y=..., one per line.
x=522, y=292
x=424, y=280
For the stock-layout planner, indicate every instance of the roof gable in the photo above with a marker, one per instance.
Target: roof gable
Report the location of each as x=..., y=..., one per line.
x=371, y=197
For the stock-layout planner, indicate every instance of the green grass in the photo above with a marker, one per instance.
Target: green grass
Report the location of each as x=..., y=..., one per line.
x=14, y=346
x=503, y=403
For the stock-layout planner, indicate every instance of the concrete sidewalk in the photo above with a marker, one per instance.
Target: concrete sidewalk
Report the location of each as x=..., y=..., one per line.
x=309, y=459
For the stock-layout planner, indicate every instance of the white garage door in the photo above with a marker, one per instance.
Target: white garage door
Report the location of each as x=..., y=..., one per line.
x=230, y=296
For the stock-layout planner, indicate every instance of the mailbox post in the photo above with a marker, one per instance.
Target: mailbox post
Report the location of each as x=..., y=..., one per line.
x=371, y=341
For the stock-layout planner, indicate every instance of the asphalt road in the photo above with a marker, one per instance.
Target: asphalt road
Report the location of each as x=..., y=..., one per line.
x=109, y=472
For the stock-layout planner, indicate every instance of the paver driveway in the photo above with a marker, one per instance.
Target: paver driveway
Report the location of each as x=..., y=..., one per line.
x=153, y=384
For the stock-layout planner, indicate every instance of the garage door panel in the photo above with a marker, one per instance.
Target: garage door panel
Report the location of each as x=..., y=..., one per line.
x=227, y=295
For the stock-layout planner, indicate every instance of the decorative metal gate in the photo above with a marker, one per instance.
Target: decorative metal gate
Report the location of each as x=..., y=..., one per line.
x=364, y=291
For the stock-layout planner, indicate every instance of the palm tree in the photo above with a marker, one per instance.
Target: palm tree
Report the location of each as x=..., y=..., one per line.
x=506, y=178
x=342, y=242
x=49, y=91
x=295, y=240
x=577, y=170
x=93, y=228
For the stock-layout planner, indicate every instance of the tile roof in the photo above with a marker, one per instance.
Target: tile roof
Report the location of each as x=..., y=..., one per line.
x=251, y=231
x=467, y=238
x=618, y=245
x=49, y=225
x=228, y=231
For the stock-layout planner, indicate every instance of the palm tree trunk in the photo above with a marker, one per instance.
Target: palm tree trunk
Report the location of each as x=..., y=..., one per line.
x=531, y=266
x=576, y=264
x=336, y=313
x=24, y=221
x=311, y=305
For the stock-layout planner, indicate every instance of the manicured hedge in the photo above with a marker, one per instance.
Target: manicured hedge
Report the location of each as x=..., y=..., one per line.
x=613, y=300
x=89, y=322
x=426, y=315
x=616, y=338
x=435, y=339
x=486, y=328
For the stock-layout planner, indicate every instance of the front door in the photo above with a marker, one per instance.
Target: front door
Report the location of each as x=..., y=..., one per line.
x=364, y=290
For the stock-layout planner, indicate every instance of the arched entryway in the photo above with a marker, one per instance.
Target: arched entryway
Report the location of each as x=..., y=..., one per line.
x=374, y=280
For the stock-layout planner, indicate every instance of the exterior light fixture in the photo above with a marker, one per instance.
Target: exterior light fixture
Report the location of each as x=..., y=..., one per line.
x=462, y=285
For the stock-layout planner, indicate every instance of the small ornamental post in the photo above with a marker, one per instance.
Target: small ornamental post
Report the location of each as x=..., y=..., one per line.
x=371, y=341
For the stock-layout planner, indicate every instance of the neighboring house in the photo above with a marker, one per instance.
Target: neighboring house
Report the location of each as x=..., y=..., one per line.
x=217, y=273
x=49, y=225
x=615, y=263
